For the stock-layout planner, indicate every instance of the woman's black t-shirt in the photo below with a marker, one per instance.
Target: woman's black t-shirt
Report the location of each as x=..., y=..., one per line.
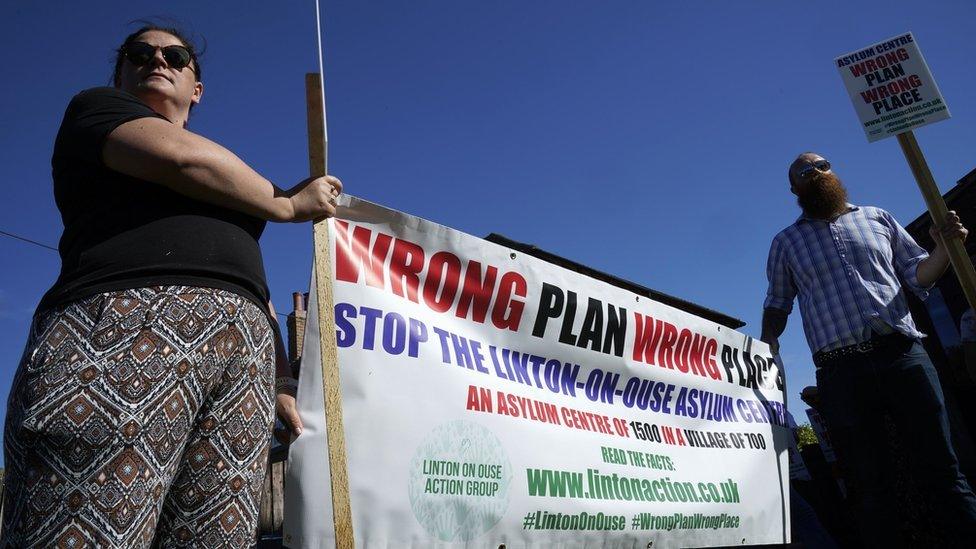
x=121, y=232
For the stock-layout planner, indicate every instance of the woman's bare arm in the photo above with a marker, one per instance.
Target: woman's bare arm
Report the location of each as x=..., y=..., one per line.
x=155, y=150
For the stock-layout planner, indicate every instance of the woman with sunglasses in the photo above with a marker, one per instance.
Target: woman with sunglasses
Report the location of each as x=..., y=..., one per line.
x=142, y=407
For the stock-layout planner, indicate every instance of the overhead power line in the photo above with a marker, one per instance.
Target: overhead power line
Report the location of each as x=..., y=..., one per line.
x=36, y=243
x=29, y=241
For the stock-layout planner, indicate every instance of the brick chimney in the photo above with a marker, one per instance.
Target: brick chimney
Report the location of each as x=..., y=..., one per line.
x=296, y=329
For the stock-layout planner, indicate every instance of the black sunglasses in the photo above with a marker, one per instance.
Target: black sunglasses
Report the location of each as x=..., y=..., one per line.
x=819, y=165
x=141, y=53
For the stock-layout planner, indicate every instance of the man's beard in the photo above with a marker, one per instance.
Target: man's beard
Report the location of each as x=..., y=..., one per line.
x=823, y=196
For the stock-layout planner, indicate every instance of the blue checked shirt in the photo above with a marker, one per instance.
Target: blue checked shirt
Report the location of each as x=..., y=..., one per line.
x=848, y=274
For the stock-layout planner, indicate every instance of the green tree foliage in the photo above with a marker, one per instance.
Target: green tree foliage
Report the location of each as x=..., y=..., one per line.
x=805, y=436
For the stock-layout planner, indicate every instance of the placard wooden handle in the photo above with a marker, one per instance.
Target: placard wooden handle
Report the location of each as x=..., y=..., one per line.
x=937, y=209
x=317, y=165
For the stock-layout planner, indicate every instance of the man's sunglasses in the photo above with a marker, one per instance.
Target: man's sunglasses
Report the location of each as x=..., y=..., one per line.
x=819, y=166
x=141, y=53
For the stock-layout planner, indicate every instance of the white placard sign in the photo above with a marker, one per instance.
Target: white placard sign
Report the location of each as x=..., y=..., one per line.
x=798, y=468
x=891, y=87
x=493, y=398
x=823, y=436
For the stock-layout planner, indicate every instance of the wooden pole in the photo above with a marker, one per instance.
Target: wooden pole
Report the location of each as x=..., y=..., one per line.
x=317, y=159
x=937, y=209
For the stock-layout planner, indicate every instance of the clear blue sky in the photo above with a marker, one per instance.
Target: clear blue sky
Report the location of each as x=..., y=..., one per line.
x=646, y=139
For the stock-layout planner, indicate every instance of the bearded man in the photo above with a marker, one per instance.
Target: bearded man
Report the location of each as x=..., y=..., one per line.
x=849, y=266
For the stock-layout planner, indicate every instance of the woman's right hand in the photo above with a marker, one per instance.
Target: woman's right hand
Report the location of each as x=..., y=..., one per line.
x=314, y=198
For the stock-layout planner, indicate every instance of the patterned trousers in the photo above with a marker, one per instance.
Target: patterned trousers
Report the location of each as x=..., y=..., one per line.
x=140, y=418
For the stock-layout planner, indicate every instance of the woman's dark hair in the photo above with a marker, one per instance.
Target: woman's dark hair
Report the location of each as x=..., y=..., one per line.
x=151, y=26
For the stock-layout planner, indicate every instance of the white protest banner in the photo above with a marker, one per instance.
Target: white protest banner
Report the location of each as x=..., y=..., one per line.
x=891, y=87
x=492, y=398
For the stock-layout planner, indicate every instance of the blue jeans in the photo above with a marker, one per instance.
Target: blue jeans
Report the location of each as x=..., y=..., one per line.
x=899, y=379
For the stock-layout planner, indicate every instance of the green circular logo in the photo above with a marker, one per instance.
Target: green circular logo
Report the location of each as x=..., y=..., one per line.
x=459, y=481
